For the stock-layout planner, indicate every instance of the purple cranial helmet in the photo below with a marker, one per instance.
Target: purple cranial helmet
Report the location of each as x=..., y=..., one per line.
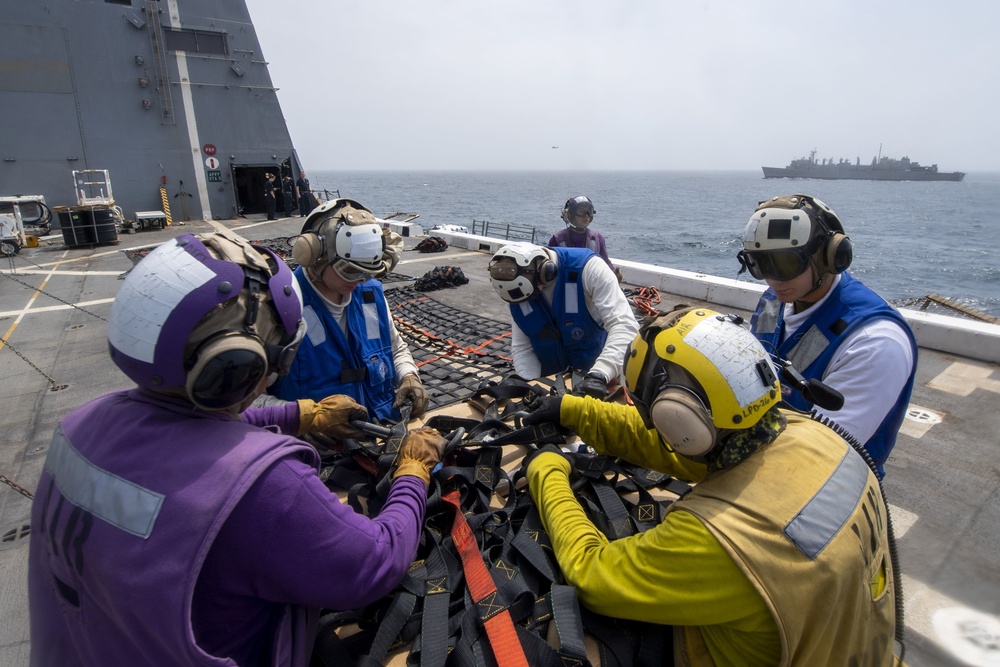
x=170, y=294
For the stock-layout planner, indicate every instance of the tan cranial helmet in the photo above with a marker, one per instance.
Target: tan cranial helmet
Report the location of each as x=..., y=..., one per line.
x=346, y=235
x=786, y=233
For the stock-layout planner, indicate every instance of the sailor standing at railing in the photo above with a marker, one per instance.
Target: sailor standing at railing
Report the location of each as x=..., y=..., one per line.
x=578, y=214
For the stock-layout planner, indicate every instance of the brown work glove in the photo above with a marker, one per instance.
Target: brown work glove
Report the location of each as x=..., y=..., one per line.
x=411, y=388
x=331, y=417
x=421, y=450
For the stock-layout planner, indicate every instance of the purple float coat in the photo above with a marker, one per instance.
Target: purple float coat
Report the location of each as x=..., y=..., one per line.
x=567, y=238
x=168, y=536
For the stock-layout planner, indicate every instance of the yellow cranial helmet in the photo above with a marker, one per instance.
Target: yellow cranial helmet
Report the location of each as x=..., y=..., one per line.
x=695, y=372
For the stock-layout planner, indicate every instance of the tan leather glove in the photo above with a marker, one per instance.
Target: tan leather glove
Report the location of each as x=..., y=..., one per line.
x=331, y=417
x=411, y=388
x=421, y=450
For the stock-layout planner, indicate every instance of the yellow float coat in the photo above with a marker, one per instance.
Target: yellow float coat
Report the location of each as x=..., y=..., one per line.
x=721, y=568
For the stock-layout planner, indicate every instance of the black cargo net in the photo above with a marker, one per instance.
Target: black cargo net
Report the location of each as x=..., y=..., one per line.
x=455, y=351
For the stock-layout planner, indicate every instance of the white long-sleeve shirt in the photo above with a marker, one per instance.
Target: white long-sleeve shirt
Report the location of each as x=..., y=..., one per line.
x=869, y=368
x=607, y=304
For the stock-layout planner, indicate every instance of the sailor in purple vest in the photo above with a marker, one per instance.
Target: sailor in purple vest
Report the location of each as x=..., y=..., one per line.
x=567, y=313
x=578, y=213
x=828, y=324
x=171, y=525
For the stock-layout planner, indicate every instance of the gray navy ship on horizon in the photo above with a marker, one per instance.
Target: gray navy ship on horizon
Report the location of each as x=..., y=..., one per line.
x=881, y=168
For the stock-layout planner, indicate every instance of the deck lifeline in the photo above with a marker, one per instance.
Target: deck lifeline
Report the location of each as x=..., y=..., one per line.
x=943, y=479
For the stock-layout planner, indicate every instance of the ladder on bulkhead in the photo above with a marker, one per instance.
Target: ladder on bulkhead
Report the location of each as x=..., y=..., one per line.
x=159, y=53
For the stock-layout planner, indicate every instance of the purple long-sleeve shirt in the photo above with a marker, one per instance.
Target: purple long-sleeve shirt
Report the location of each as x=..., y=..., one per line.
x=176, y=509
x=291, y=539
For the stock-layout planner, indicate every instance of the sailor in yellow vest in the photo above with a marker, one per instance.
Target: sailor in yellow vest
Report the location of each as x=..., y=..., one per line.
x=778, y=556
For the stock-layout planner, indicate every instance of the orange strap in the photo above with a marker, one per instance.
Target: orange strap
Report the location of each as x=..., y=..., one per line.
x=496, y=618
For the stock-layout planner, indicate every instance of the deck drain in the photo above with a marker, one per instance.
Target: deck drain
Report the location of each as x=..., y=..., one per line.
x=76, y=326
x=923, y=416
x=12, y=536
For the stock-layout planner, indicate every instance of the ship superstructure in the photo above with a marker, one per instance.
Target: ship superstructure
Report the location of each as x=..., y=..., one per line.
x=172, y=97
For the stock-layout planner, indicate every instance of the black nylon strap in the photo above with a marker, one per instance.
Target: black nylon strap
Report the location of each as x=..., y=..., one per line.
x=569, y=622
x=614, y=509
x=432, y=609
x=388, y=630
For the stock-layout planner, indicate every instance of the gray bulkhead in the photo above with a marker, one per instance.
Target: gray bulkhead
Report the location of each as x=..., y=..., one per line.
x=144, y=89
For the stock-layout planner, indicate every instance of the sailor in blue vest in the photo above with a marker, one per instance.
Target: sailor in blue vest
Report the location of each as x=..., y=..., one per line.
x=567, y=313
x=826, y=322
x=351, y=346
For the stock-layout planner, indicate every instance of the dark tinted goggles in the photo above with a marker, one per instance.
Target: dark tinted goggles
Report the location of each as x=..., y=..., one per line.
x=776, y=264
x=652, y=377
x=505, y=268
x=584, y=210
x=228, y=379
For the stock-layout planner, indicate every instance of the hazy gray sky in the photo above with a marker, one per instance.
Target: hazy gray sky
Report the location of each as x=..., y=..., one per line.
x=646, y=84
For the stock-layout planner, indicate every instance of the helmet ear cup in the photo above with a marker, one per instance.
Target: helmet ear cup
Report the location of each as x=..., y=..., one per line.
x=308, y=249
x=548, y=271
x=227, y=367
x=683, y=422
x=838, y=253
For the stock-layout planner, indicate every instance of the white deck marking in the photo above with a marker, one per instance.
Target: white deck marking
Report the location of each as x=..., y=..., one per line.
x=436, y=256
x=962, y=379
x=68, y=273
x=48, y=309
x=902, y=520
x=967, y=634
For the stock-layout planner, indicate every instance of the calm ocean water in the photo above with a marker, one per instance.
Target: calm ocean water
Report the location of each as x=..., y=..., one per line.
x=910, y=239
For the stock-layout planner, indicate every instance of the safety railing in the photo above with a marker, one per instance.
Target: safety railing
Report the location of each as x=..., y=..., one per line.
x=507, y=231
x=325, y=195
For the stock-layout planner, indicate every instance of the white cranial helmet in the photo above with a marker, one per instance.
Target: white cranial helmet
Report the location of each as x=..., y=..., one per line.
x=517, y=269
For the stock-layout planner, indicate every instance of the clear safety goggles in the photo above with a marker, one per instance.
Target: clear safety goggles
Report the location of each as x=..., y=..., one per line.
x=505, y=268
x=348, y=271
x=778, y=265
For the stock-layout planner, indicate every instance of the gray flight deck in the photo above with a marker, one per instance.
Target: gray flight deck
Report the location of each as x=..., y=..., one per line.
x=943, y=478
